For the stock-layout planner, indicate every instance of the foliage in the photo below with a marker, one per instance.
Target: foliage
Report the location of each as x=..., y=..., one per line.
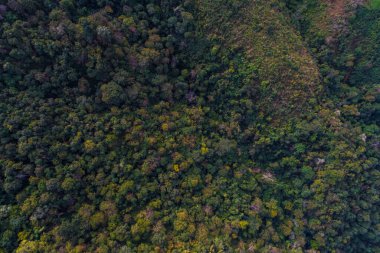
x=189, y=126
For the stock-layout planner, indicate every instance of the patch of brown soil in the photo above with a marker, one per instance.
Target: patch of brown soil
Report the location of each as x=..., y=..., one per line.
x=336, y=8
x=341, y=10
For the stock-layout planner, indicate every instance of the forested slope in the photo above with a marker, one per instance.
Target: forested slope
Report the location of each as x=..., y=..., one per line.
x=189, y=126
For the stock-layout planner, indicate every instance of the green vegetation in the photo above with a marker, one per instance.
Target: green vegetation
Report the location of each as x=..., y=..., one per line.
x=189, y=126
x=374, y=4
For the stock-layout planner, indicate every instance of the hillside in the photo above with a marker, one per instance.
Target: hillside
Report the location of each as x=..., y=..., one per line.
x=285, y=76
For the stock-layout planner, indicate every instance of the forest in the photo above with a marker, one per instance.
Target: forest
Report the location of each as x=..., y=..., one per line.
x=188, y=126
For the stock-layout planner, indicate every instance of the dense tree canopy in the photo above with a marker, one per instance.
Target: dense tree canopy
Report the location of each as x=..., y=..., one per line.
x=189, y=126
